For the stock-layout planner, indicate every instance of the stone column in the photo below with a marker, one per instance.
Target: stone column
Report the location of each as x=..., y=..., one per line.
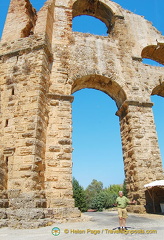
x=142, y=160
x=24, y=83
x=58, y=157
x=20, y=21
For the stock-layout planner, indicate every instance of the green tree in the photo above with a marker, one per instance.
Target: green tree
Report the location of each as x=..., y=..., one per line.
x=104, y=199
x=110, y=199
x=92, y=190
x=98, y=202
x=79, y=196
x=115, y=188
x=112, y=194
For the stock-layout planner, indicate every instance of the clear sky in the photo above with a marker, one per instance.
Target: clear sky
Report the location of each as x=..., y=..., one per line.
x=96, y=134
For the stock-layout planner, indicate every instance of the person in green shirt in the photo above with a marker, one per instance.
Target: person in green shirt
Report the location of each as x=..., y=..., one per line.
x=122, y=203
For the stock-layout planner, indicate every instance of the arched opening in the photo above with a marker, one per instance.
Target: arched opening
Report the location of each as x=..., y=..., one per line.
x=96, y=139
x=159, y=120
x=158, y=99
x=102, y=83
x=154, y=52
x=151, y=62
x=95, y=9
x=88, y=24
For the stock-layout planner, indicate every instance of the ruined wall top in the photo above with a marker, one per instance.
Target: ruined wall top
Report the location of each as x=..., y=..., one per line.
x=23, y=21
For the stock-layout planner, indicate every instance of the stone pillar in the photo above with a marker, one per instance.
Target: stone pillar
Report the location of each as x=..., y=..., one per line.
x=20, y=22
x=58, y=157
x=45, y=20
x=24, y=83
x=142, y=160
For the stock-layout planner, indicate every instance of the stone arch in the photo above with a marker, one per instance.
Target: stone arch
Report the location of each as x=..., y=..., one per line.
x=100, y=9
x=154, y=52
x=102, y=83
x=159, y=90
x=115, y=8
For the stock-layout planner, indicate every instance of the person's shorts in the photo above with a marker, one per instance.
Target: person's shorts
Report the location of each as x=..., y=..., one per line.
x=122, y=213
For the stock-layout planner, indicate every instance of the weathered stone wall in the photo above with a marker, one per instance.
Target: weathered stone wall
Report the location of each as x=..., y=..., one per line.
x=23, y=87
x=20, y=20
x=39, y=70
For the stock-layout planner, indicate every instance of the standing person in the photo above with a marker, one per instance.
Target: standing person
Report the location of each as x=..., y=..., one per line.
x=122, y=203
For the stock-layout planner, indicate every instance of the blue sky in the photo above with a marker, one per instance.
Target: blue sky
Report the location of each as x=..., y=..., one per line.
x=96, y=135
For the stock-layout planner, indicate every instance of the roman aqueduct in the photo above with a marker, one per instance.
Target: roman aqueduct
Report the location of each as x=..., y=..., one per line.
x=42, y=62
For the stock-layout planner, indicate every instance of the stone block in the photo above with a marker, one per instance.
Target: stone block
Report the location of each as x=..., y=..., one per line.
x=66, y=164
x=52, y=178
x=54, y=148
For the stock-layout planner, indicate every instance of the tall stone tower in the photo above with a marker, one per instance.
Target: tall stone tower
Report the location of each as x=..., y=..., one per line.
x=42, y=62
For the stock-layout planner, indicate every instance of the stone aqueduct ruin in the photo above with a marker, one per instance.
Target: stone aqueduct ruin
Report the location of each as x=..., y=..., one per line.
x=42, y=62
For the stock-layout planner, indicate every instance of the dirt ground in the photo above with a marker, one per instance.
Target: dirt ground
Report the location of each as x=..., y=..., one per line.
x=99, y=225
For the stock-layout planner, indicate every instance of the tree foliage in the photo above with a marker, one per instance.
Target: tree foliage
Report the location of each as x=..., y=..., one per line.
x=98, y=202
x=92, y=190
x=79, y=196
x=115, y=188
x=105, y=199
x=110, y=199
x=95, y=196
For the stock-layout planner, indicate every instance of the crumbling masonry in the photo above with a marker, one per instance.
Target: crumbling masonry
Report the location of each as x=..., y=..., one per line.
x=42, y=62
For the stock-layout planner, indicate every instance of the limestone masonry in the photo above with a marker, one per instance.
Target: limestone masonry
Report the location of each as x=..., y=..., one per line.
x=42, y=62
